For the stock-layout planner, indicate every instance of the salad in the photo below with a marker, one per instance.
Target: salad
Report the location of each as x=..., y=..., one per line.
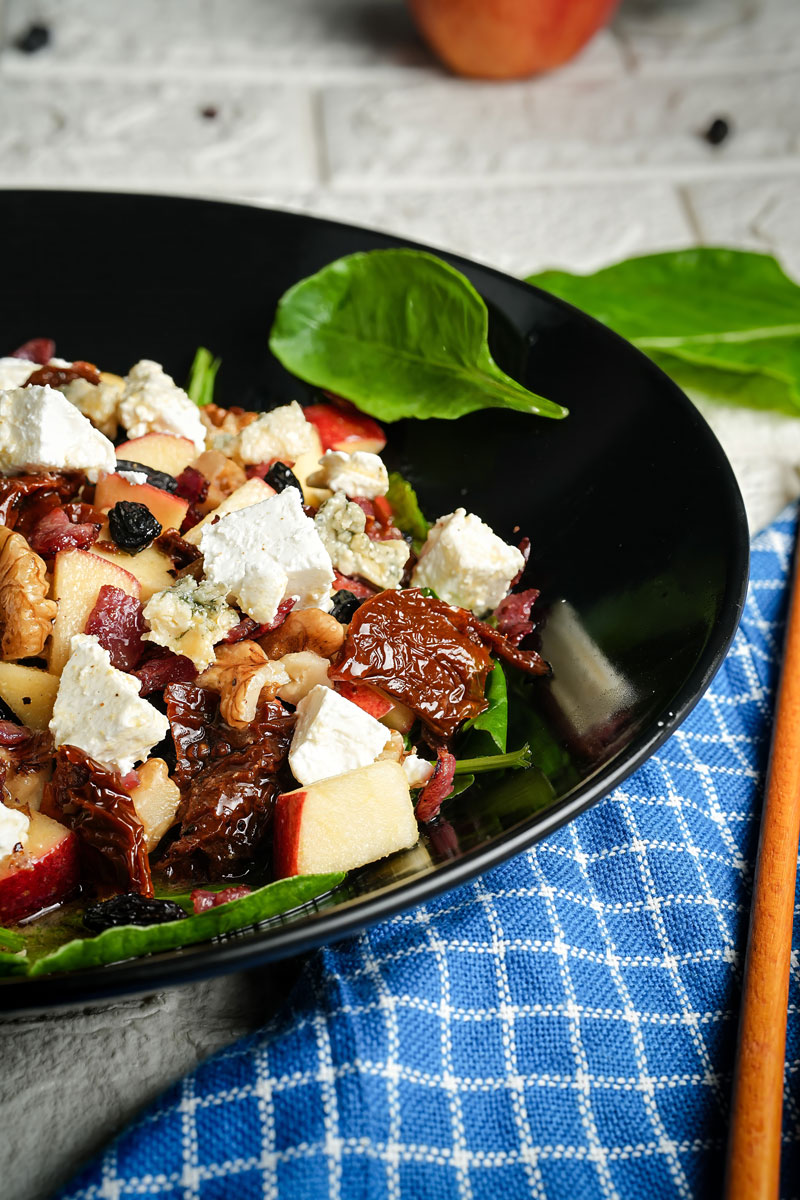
x=237, y=660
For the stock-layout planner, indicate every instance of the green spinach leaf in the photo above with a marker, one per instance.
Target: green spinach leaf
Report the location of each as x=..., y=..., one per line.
x=493, y=720
x=128, y=941
x=724, y=323
x=516, y=759
x=400, y=334
x=202, y=377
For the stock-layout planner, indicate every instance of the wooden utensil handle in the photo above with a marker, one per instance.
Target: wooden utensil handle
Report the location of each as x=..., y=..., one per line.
x=754, y=1147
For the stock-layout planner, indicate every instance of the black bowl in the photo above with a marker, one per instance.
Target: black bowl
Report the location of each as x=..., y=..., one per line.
x=639, y=536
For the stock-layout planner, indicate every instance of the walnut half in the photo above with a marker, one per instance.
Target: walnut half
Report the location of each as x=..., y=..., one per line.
x=26, y=615
x=240, y=673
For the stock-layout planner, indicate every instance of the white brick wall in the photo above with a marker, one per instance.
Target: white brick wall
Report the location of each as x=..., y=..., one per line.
x=334, y=107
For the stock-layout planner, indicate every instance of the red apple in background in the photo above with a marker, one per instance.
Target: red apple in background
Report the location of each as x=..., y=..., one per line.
x=345, y=428
x=45, y=872
x=508, y=39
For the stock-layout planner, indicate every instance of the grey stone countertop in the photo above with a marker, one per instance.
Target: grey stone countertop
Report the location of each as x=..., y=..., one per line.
x=334, y=107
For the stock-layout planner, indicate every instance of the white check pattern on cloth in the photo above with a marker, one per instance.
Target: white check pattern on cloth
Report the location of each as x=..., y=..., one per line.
x=562, y=1027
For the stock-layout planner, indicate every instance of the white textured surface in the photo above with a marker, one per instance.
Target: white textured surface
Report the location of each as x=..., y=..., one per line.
x=334, y=107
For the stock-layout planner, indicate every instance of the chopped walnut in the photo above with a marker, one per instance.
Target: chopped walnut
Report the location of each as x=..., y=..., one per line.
x=394, y=750
x=26, y=614
x=223, y=474
x=241, y=672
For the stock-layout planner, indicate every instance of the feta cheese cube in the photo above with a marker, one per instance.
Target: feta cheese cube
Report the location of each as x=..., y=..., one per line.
x=465, y=563
x=283, y=433
x=14, y=372
x=41, y=431
x=341, y=526
x=332, y=735
x=266, y=553
x=357, y=474
x=13, y=829
x=418, y=770
x=190, y=618
x=249, y=493
x=99, y=709
x=153, y=402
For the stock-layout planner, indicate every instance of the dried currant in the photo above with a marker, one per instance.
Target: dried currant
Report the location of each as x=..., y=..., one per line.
x=132, y=526
x=130, y=909
x=279, y=476
x=344, y=605
x=158, y=479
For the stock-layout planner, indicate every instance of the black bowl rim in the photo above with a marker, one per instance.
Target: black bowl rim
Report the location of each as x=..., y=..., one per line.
x=150, y=974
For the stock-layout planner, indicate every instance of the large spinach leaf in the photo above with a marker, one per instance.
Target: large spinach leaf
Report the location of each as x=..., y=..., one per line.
x=400, y=334
x=493, y=721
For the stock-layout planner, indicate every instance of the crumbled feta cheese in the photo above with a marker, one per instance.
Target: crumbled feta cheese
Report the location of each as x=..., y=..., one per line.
x=190, y=618
x=332, y=735
x=465, y=563
x=283, y=433
x=137, y=477
x=418, y=770
x=249, y=493
x=153, y=403
x=97, y=401
x=357, y=474
x=341, y=526
x=13, y=829
x=99, y=709
x=14, y=372
x=266, y=553
x=40, y=430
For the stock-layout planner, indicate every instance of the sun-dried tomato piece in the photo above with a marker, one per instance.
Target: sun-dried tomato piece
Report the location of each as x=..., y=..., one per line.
x=529, y=661
x=57, y=531
x=117, y=622
x=513, y=615
x=37, y=350
x=89, y=798
x=25, y=499
x=192, y=485
x=162, y=669
x=203, y=900
x=181, y=552
x=57, y=377
x=356, y=587
x=438, y=787
x=227, y=808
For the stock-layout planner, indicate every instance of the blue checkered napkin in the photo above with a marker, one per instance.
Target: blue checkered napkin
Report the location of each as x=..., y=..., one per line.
x=561, y=1028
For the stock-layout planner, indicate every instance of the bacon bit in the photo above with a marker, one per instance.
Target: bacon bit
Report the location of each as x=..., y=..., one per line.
x=525, y=550
x=62, y=529
x=360, y=589
x=58, y=376
x=181, y=552
x=37, y=350
x=192, y=485
x=247, y=628
x=162, y=669
x=439, y=787
x=259, y=470
x=118, y=624
x=514, y=615
x=284, y=608
x=380, y=526
x=193, y=517
x=203, y=900
x=11, y=734
x=130, y=781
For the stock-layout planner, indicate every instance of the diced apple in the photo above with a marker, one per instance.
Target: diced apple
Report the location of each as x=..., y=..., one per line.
x=223, y=474
x=29, y=692
x=168, y=510
x=156, y=799
x=150, y=566
x=365, y=697
x=252, y=492
x=343, y=822
x=45, y=872
x=78, y=576
x=306, y=465
x=341, y=430
x=398, y=717
x=26, y=788
x=161, y=451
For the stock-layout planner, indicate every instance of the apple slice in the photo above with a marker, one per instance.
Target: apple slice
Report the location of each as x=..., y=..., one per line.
x=161, y=451
x=252, y=492
x=344, y=822
x=78, y=576
x=308, y=464
x=365, y=697
x=45, y=872
x=150, y=566
x=167, y=509
x=29, y=692
x=156, y=799
x=341, y=430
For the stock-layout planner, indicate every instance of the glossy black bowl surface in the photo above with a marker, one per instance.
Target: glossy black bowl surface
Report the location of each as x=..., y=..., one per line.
x=639, y=536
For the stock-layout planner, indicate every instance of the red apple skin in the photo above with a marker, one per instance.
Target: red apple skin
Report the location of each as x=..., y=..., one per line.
x=365, y=697
x=508, y=39
x=39, y=881
x=168, y=510
x=286, y=832
x=340, y=430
